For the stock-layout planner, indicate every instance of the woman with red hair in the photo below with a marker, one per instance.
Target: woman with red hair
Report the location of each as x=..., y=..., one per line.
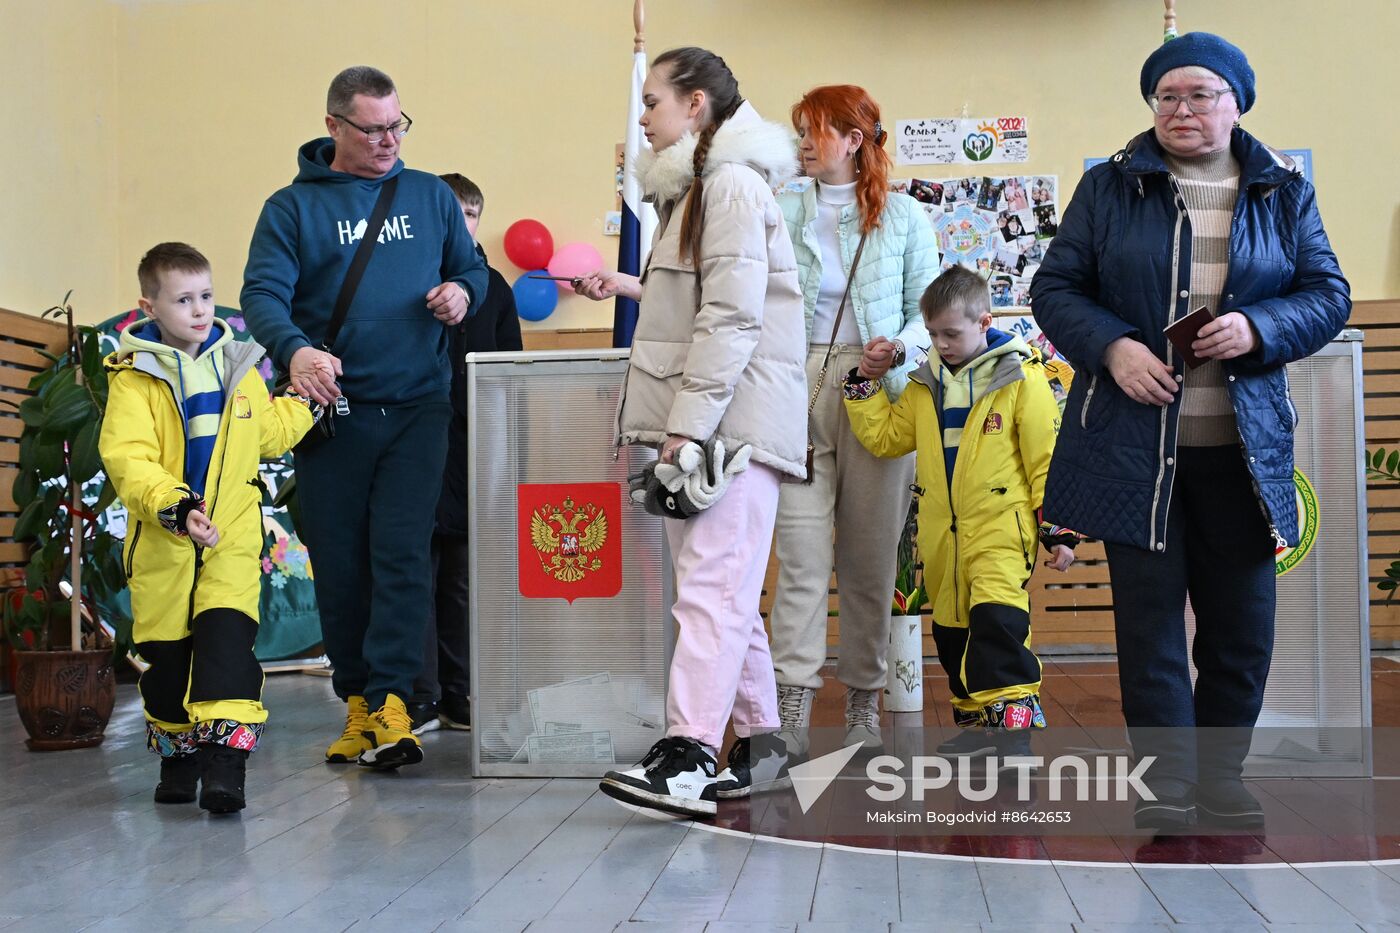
x=864, y=256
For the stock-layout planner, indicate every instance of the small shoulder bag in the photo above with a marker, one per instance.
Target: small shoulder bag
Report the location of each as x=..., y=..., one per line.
x=826, y=362
x=325, y=427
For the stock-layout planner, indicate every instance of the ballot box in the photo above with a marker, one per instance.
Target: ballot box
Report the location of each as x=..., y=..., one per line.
x=1317, y=707
x=571, y=589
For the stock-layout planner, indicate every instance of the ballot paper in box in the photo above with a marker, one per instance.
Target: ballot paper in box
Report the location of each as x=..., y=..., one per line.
x=577, y=720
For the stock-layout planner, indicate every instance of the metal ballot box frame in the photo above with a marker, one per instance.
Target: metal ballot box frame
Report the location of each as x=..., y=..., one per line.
x=1317, y=707
x=563, y=685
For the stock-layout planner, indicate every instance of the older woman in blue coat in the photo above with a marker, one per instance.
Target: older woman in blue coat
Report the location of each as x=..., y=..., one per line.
x=1186, y=473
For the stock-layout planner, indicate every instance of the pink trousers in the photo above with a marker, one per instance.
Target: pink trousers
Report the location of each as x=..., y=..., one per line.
x=721, y=664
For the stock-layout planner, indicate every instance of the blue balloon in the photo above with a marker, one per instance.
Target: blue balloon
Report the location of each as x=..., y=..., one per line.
x=535, y=298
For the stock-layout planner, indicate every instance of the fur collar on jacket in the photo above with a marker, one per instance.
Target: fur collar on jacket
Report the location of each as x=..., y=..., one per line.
x=745, y=138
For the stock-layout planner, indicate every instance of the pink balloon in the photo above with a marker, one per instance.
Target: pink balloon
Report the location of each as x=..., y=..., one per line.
x=575, y=259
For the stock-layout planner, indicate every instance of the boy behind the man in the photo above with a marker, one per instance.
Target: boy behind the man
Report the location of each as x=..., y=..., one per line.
x=442, y=691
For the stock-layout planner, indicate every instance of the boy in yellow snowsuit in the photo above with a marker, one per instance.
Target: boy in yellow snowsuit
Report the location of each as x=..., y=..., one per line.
x=188, y=419
x=983, y=419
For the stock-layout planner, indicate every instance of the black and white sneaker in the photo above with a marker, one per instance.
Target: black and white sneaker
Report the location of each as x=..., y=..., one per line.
x=424, y=717
x=677, y=776
x=455, y=712
x=756, y=765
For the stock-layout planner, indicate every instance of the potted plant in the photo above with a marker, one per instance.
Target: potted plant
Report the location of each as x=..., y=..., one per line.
x=904, y=683
x=64, y=683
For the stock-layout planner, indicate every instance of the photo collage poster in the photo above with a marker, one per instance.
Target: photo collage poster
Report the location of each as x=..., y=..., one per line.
x=998, y=226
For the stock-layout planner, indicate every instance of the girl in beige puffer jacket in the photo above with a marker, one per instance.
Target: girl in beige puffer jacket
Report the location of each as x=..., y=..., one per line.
x=718, y=352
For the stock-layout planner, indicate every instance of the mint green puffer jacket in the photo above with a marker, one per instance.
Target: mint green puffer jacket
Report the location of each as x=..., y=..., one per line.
x=900, y=259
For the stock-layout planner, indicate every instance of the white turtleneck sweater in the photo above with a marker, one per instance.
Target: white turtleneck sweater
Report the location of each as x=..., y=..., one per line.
x=831, y=199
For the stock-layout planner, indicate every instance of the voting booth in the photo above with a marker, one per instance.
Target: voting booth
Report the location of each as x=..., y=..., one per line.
x=571, y=595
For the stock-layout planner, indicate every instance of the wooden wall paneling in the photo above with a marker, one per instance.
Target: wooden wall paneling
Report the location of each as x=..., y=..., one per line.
x=21, y=336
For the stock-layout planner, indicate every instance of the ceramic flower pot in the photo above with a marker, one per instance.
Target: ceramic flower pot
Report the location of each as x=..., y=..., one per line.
x=64, y=698
x=904, y=683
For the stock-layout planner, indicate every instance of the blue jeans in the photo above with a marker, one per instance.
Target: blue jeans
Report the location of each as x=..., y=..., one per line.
x=1219, y=551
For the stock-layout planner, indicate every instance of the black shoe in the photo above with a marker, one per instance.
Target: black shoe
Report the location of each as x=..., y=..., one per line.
x=424, y=717
x=756, y=765
x=1228, y=803
x=455, y=712
x=179, y=780
x=969, y=743
x=677, y=776
x=1168, y=813
x=1012, y=743
x=221, y=774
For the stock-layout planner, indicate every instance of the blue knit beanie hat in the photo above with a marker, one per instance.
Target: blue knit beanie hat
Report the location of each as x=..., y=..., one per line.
x=1207, y=51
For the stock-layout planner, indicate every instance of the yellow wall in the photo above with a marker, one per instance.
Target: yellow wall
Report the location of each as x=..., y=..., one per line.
x=174, y=119
x=59, y=216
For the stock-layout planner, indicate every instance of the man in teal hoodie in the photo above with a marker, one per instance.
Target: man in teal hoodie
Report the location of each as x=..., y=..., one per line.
x=368, y=493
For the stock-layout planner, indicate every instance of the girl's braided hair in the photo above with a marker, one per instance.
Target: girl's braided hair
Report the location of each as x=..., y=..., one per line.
x=693, y=69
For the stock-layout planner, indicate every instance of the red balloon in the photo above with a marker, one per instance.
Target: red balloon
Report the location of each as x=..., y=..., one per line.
x=529, y=244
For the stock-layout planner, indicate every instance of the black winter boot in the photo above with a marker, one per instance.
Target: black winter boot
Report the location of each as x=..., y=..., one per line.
x=221, y=772
x=179, y=779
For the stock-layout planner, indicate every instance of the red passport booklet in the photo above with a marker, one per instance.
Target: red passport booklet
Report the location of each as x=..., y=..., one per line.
x=1184, y=330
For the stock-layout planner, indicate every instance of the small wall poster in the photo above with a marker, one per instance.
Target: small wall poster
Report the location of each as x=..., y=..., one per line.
x=961, y=141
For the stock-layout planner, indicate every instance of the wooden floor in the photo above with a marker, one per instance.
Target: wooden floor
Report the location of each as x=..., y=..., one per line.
x=330, y=848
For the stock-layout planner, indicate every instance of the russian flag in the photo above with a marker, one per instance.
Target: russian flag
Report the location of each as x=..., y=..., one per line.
x=638, y=218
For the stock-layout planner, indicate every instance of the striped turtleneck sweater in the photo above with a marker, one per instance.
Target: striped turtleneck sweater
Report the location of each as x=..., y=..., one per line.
x=1209, y=185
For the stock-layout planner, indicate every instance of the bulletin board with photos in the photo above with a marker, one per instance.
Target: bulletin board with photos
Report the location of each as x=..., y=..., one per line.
x=998, y=226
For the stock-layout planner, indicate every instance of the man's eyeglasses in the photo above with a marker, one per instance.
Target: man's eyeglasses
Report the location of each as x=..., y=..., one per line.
x=1197, y=101
x=377, y=133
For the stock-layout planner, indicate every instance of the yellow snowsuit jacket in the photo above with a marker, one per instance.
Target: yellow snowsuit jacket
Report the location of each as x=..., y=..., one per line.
x=143, y=450
x=978, y=530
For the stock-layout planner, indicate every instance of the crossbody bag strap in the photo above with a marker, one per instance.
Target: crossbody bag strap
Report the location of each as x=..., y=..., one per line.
x=836, y=326
x=360, y=261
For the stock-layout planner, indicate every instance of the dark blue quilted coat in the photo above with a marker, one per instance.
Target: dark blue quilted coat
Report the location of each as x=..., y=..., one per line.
x=1120, y=266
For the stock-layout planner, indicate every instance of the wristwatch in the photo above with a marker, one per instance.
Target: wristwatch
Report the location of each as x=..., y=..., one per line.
x=899, y=353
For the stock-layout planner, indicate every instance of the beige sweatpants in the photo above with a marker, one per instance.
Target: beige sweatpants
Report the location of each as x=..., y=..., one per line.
x=864, y=500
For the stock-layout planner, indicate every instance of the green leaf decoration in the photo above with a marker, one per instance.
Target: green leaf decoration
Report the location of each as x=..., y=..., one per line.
x=66, y=407
x=48, y=456
x=31, y=520
x=26, y=485
x=84, y=461
x=106, y=497
x=32, y=411
x=31, y=613
x=39, y=380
